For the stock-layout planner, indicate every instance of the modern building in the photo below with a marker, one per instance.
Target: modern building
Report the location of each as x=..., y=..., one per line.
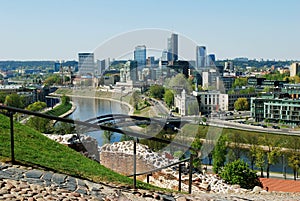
x=201, y=57
x=275, y=109
x=129, y=72
x=86, y=64
x=173, y=47
x=210, y=79
x=211, y=59
x=140, y=55
x=228, y=67
x=100, y=66
x=294, y=69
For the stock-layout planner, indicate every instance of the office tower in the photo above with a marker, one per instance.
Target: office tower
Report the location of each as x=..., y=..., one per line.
x=164, y=55
x=140, y=55
x=211, y=59
x=86, y=64
x=173, y=47
x=295, y=69
x=201, y=57
x=228, y=67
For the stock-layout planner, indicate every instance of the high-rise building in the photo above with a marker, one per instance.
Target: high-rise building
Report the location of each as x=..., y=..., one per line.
x=295, y=69
x=140, y=55
x=211, y=59
x=173, y=47
x=86, y=64
x=200, y=57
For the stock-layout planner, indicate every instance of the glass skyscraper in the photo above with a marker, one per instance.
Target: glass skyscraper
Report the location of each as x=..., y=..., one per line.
x=140, y=55
x=201, y=57
x=173, y=47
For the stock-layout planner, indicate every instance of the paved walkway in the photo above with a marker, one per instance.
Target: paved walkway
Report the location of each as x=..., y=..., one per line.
x=282, y=185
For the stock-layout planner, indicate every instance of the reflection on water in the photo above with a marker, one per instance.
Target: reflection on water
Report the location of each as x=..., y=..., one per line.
x=90, y=108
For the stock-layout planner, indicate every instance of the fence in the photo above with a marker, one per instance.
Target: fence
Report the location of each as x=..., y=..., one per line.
x=12, y=110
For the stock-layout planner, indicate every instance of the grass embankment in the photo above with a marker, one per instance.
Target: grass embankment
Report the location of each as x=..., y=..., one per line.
x=242, y=136
x=32, y=148
x=59, y=110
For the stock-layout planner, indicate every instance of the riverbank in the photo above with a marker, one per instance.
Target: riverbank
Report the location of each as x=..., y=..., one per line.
x=131, y=109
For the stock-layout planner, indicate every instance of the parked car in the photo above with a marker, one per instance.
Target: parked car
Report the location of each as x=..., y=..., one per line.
x=264, y=126
x=275, y=127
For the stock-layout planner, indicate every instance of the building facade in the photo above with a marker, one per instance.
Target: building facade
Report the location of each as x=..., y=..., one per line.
x=183, y=101
x=200, y=57
x=173, y=47
x=294, y=69
x=86, y=64
x=140, y=55
x=276, y=109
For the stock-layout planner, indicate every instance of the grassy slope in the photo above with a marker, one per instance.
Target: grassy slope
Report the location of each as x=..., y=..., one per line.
x=59, y=110
x=33, y=148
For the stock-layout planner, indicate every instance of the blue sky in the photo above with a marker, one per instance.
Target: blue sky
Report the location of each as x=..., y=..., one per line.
x=59, y=29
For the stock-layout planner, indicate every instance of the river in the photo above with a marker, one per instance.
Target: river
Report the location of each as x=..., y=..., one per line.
x=88, y=108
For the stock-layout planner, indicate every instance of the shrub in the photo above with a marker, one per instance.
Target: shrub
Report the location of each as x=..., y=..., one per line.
x=238, y=172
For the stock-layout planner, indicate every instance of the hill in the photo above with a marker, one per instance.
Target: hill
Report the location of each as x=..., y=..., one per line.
x=34, y=149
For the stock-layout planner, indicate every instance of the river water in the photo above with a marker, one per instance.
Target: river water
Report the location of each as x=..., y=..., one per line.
x=88, y=108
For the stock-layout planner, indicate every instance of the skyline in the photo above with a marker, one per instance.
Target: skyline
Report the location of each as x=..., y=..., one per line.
x=59, y=30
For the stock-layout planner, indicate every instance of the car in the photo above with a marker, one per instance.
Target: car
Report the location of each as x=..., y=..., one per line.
x=275, y=127
x=264, y=126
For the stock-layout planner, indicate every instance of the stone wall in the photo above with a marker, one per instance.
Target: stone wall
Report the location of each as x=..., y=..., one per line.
x=123, y=163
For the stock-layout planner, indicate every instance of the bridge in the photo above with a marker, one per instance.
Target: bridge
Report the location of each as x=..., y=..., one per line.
x=100, y=122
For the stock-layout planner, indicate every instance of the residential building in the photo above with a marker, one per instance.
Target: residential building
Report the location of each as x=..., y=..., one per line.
x=86, y=64
x=129, y=72
x=275, y=109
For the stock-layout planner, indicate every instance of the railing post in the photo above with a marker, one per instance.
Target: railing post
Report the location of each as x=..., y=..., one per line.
x=134, y=164
x=148, y=178
x=191, y=174
x=179, y=184
x=12, y=141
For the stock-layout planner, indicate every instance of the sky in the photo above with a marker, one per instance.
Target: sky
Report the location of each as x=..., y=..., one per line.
x=59, y=29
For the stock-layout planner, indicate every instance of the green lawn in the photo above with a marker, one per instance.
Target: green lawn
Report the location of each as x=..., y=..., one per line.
x=32, y=148
x=59, y=110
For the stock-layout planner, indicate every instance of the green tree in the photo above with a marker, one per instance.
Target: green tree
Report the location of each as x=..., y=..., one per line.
x=273, y=152
x=196, y=144
x=14, y=100
x=169, y=97
x=2, y=97
x=157, y=91
x=65, y=99
x=135, y=99
x=37, y=106
x=253, y=142
x=219, y=154
x=63, y=128
x=178, y=83
x=239, y=82
x=40, y=124
x=241, y=104
x=294, y=158
x=239, y=173
x=53, y=79
x=260, y=160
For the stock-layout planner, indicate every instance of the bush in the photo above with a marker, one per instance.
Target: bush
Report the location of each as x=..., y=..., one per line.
x=238, y=172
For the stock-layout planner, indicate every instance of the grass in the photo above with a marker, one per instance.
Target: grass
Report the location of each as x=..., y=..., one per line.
x=32, y=148
x=59, y=110
x=286, y=141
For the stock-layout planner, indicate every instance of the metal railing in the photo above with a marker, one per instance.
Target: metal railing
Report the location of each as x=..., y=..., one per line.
x=12, y=110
